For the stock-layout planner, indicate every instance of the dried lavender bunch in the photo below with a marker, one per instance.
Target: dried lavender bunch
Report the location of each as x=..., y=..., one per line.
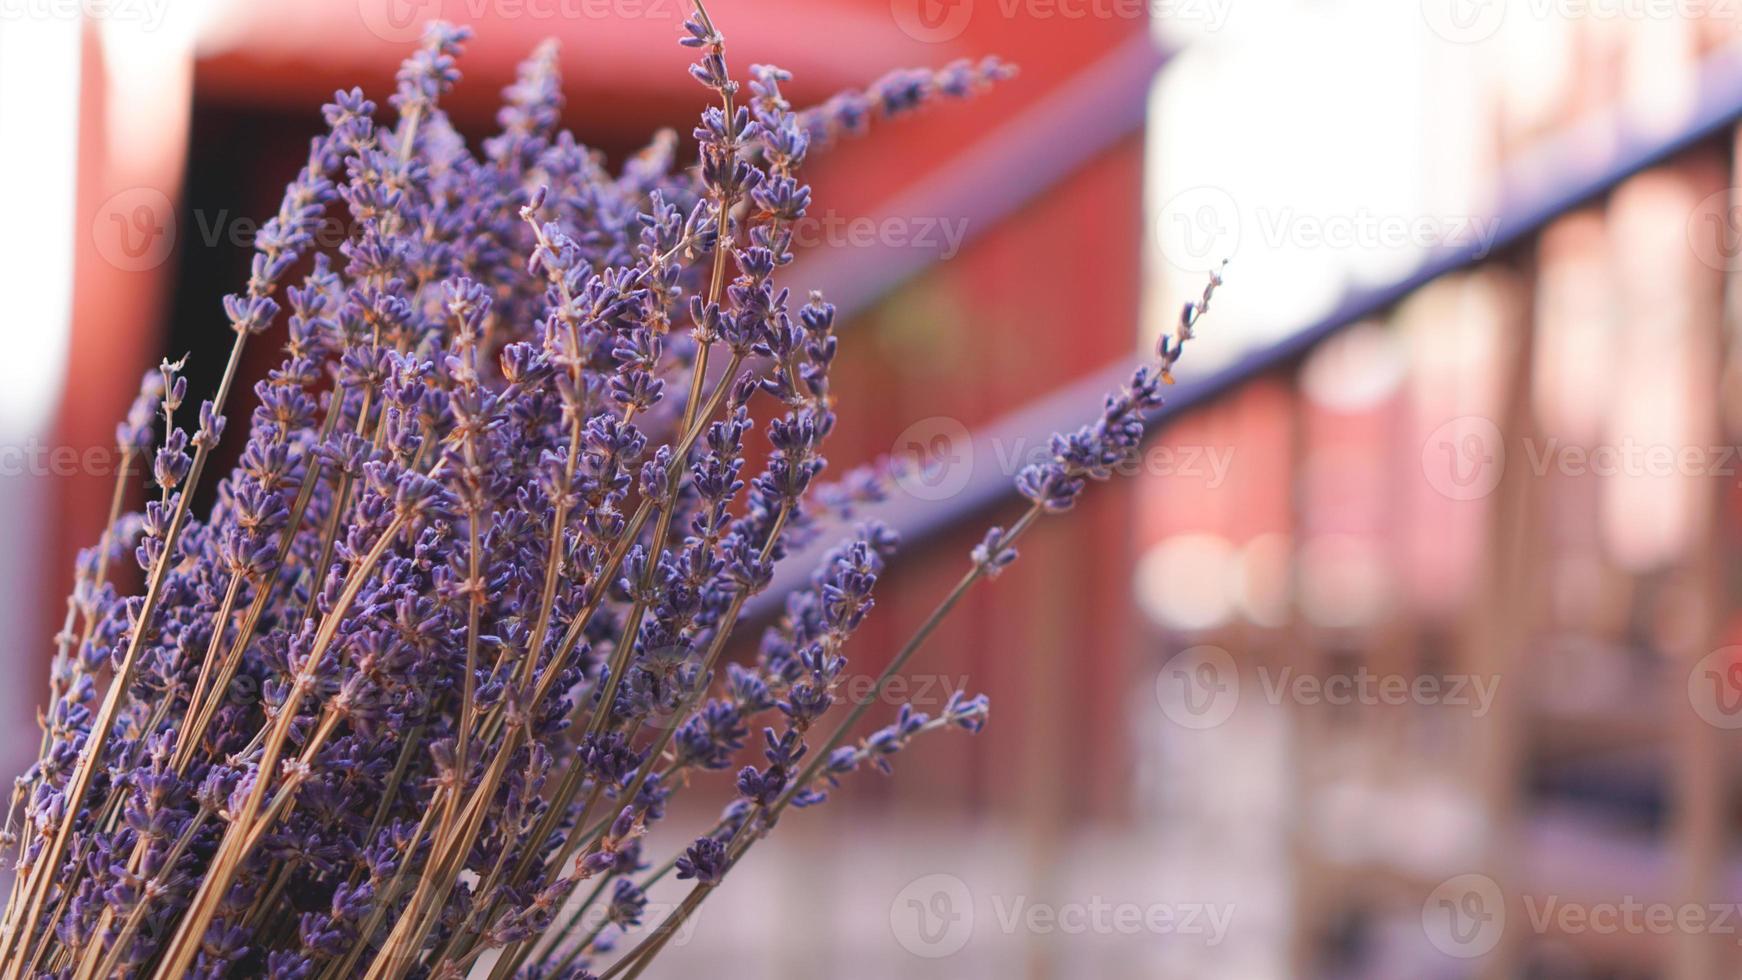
x=414, y=690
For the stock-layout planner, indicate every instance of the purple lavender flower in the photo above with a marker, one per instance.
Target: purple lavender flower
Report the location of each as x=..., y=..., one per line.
x=705, y=861
x=421, y=682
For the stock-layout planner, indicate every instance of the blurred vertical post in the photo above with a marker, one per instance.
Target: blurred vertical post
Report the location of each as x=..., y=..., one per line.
x=1501, y=625
x=39, y=102
x=1699, y=775
x=1313, y=882
x=132, y=111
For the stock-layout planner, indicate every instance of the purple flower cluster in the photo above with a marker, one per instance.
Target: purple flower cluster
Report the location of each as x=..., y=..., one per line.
x=418, y=685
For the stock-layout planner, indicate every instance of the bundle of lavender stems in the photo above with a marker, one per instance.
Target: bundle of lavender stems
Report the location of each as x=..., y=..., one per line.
x=407, y=700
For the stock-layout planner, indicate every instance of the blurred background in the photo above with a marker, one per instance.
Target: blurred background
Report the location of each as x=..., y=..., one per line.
x=1407, y=650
